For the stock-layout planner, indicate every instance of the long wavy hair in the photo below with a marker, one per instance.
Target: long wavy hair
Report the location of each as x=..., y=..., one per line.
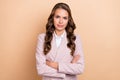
x=69, y=29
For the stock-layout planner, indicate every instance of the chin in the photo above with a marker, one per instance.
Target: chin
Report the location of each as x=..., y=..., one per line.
x=60, y=29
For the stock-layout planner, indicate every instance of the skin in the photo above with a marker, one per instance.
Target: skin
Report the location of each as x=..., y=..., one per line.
x=60, y=20
x=60, y=23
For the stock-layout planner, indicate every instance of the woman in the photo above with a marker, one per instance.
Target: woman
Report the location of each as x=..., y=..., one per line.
x=59, y=53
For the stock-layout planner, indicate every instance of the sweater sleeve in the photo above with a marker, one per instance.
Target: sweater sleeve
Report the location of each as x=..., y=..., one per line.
x=42, y=68
x=74, y=68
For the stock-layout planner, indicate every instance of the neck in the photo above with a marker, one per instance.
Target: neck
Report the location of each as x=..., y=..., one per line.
x=59, y=32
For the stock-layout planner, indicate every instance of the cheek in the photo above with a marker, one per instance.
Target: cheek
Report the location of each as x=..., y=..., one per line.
x=66, y=22
x=55, y=21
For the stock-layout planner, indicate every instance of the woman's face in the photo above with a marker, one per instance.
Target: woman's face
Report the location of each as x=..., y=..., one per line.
x=60, y=20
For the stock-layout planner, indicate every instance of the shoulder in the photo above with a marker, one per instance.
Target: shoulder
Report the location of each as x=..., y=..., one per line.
x=78, y=38
x=41, y=36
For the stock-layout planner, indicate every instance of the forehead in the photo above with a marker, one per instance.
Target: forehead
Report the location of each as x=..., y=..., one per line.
x=61, y=12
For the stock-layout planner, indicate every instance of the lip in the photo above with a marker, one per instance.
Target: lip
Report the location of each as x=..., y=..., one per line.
x=60, y=25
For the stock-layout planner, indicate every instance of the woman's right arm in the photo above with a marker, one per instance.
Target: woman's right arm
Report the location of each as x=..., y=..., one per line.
x=42, y=68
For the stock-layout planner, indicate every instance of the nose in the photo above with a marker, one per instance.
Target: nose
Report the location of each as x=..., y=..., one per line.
x=61, y=21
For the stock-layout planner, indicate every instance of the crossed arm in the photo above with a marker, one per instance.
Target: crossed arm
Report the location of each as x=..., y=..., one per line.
x=55, y=64
x=55, y=69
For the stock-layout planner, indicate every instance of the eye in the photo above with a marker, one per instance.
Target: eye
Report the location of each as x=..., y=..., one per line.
x=57, y=16
x=65, y=18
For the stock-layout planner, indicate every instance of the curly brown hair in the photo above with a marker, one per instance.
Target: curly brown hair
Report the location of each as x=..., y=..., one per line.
x=69, y=29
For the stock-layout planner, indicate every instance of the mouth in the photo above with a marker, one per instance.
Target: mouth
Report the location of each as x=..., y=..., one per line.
x=60, y=25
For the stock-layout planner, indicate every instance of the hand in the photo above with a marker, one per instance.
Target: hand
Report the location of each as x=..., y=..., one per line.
x=75, y=58
x=52, y=64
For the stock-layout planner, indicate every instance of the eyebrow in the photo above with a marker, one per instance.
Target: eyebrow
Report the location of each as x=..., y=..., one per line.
x=60, y=16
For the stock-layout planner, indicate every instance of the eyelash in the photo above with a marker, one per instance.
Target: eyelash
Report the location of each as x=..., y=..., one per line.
x=59, y=17
x=65, y=18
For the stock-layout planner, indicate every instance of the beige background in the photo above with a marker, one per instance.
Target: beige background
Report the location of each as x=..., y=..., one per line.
x=98, y=24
